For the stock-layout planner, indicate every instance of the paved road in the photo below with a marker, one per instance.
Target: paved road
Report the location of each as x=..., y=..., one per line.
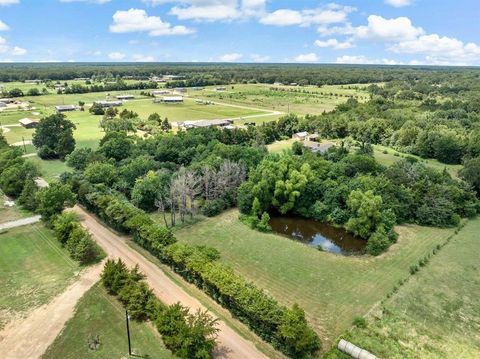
x=31, y=336
x=231, y=344
x=20, y=222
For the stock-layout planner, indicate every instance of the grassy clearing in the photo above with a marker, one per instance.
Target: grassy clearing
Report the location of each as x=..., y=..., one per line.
x=436, y=314
x=332, y=289
x=8, y=214
x=34, y=269
x=300, y=100
x=50, y=169
x=98, y=313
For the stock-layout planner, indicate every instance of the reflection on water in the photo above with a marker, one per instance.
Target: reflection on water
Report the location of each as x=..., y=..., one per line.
x=315, y=234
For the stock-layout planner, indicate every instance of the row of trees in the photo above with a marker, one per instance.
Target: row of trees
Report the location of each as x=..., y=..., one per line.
x=287, y=329
x=189, y=336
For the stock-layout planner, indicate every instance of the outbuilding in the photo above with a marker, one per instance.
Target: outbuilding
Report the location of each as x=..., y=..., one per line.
x=172, y=99
x=106, y=104
x=124, y=97
x=300, y=136
x=206, y=123
x=29, y=122
x=65, y=108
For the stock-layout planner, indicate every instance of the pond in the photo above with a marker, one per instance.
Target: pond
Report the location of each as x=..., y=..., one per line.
x=315, y=234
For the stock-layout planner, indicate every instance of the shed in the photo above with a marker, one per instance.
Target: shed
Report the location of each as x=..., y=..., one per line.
x=300, y=136
x=172, y=99
x=65, y=108
x=29, y=122
x=124, y=97
x=109, y=103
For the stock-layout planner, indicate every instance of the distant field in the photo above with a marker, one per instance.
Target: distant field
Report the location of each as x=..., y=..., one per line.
x=34, y=268
x=300, y=100
x=98, y=313
x=332, y=289
x=436, y=314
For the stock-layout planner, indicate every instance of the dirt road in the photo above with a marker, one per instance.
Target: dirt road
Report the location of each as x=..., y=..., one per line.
x=231, y=344
x=31, y=336
x=20, y=222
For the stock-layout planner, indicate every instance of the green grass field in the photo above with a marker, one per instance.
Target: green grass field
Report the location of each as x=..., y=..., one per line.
x=300, y=100
x=34, y=268
x=50, y=169
x=332, y=289
x=436, y=314
x=98, y=313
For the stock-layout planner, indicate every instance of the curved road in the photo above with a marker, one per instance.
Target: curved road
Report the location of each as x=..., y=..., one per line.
x=231, y=344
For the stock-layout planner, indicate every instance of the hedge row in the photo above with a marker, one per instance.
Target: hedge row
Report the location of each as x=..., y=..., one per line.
x=189, y=336
x=286, y=329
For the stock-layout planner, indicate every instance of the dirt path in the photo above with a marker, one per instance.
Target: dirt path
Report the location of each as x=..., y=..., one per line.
x=31, y=336
x=231, y=344
x=20, y=222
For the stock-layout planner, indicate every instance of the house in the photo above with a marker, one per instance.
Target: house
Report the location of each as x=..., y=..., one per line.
x=124, y=97
x=172, y=99
x=29, y=122
x=300, y=136
x=206, y=123
x=106, y=104
x=65, y=108
x=318, y=147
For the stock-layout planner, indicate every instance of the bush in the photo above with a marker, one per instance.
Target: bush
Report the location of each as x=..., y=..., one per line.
x=359, y=322
x=413, y=268
x=46, y=153
x=213, y=207
x=263, y=225
x=378, y=242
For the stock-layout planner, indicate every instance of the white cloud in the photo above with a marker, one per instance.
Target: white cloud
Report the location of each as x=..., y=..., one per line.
x=137, y=20
x=360, y=60
x=399, y=3
x=9, y=2
x=116, y=56
x=230, y=57
x=143, y=58
x=18, y=51
x=259, y=58
x=329, y=14
x=311, y=57
x=213, y=10
x=3, y=26
x=90, y=1
x=334, y=44
x=389, y=30
x=440, y=50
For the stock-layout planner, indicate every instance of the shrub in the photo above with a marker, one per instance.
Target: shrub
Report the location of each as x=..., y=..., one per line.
x=213, y=207
x=263, y=225
x=378, y=242
x=413, y=268
x=359, y=322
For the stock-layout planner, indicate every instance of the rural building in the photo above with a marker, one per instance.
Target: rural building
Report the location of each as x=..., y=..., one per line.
x=172, y=99
x=222, y=88
x=159, y=92
x=106, y=104
x=206, y=123
x=180, y=89
x=81, y=79
x=318, y=147
x=302, y=136
x=173, y=77
x=313, y=138
x=7, y=100
x=29, y=122
x=3, y=104
x=124, y=97
x=65, y=108
x=32, y=81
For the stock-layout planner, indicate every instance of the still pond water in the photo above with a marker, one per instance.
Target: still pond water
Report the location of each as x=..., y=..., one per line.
x=315, y=234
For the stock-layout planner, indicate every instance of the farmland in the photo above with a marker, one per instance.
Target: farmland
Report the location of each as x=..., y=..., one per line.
x=34, y=269
x=99, y=314
x=320, y=282
x=436, y=314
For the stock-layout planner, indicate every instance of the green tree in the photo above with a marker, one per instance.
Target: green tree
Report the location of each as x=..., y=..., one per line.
x=79, y=158
x=55, y=133
x=53, y=199
x=366, y=208
x=27, y=198
x=471, y=173
x=101, y=172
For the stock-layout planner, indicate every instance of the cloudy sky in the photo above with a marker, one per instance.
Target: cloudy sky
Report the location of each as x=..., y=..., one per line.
x=432, y=32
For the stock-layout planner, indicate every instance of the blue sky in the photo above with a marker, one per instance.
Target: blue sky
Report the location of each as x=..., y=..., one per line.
x=351, y=31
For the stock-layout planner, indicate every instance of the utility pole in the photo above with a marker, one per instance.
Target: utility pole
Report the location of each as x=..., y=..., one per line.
x=128, y=333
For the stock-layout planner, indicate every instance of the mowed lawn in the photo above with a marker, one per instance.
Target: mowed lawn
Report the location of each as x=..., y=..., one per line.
x=98, y=313
x=34, y=268
x=332, y=289
x=436, y=314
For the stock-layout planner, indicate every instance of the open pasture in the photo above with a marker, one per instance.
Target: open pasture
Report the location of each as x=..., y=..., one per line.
x=300, y=100
x=34, y=269
x=436, y=314
x=332, y=289
x=99, y=314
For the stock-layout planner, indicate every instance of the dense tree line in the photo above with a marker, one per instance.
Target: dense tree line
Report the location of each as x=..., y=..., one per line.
x=354, y=191
x=189, y=336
